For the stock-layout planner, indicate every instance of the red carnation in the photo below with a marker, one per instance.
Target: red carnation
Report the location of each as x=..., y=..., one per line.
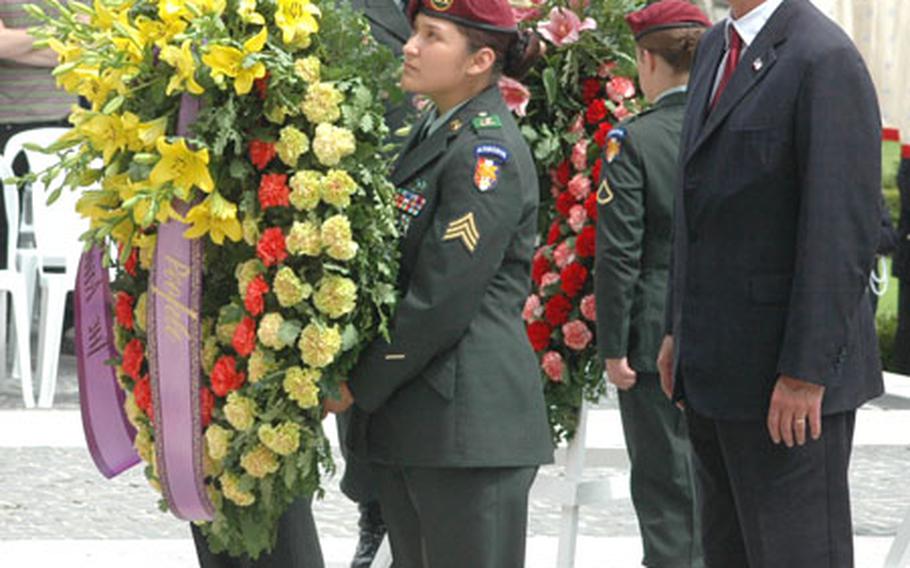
x=597, y=169
x=133, y=357
x=586, y=242
x=131, y=262
x=254, y=301
x=142, y=394
x=564, y=203
x=557, y=310
x=597, y=111
x=124, y=310
x=274, y=191
x=225, y=376
x=262, y=86
x=573, y=279
x=206, y=405
x=591, y=207
x=539, y=335
x=603, y=131
x=562, y=173
x=555, y=233
x=539, y=267
x=244, y=340
x=261, y=153
x=590, y=88
x=271, y=249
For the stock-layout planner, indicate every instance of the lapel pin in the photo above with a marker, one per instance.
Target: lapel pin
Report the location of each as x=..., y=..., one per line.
x=758, y=64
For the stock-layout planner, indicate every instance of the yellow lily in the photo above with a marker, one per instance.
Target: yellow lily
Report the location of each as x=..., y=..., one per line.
x=184, y=64
x=246, y=9
x=105, y=133
x=217, y=217
x=183, y=167
x=230, y=62
x=297, y=20
x=157, y=32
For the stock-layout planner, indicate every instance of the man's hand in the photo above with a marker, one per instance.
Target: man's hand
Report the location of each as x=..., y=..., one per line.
x=336, y=406
x=621, y=374
x=665, y=365
x=795, y=404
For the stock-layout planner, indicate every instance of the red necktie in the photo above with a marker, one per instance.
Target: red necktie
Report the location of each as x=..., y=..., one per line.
x=733, y=52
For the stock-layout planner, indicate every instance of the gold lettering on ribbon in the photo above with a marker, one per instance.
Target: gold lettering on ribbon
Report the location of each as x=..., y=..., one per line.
x=175, y=276
x=97, y=339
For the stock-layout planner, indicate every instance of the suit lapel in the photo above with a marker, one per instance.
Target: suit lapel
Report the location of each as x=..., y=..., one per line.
x=390, y=17
x=753, y=67
x=700, y=90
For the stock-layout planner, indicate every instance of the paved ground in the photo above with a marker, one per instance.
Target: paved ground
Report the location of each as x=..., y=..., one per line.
x=51, y=493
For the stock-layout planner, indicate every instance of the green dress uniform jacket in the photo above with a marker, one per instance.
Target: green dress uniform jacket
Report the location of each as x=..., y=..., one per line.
x=459, y=385
x=635, y=212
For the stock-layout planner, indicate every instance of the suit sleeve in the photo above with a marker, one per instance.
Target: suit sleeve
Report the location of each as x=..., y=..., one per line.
x=458, y=257
x=620, y=230
x=838, y=138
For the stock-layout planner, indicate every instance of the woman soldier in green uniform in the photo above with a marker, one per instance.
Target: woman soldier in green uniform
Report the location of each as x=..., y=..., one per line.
x=451, y=411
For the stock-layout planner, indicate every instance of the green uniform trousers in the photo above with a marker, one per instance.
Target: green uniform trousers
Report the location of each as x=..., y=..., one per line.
x=456, y=518
x=662, y=482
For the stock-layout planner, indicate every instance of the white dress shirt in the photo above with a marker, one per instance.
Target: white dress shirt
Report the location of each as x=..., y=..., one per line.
x=748, y=27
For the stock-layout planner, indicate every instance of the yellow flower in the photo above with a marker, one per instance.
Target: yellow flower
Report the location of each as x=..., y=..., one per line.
x=269, y=331
x=259, y=462
x=304, y=239
x=183, y=167
x=246, y=9
x=105, y=133
x=216, y=217
x=231, y=489
x=336, y=297
x=337, y=238
x=288, y=288
x=141, y=311
x=232, y=62
x=209, y=353
x=146, y=244
x=333, y=144
x=308, y=69
x=305, y=190
x=260, y=364
x=321, y=103
x=250, y=229
x=184, y=64
x=337, y=188
x=302, y=386
x=291, y=145
x=319, y=345
x=96, y=205
x=157, y=32
x=240, y=412
x=297, y=20
x=246, y=272
x=144, y=445
x=219, y=442
x=284, y=439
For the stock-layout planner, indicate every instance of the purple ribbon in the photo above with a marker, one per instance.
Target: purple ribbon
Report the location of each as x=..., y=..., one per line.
x=174, y=346
x=107, y=430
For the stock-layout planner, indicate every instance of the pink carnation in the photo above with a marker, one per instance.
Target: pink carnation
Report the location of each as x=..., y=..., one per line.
x=621, y=112
x=576, y=335
x=547, y=280
x=578, y=125
x=620, y=88
x=564, y=27
x=578, y=216
x=532, y=309
x=580, y=186
x=563, y=255
x=515, y=95
x=589, y=308
x=580, y=155
x=553, y=366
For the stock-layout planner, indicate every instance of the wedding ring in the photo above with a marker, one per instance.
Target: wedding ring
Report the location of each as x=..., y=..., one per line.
x=800, y=421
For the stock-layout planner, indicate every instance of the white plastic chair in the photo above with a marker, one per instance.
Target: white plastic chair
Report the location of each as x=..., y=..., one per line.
x=13, y=281
x=57, y=230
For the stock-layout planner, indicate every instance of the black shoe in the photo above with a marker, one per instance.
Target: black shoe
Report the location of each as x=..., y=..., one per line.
x=372, y=531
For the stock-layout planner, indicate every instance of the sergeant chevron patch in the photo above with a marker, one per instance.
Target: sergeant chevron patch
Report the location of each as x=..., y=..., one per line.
x=463, y=229
x=604, y=193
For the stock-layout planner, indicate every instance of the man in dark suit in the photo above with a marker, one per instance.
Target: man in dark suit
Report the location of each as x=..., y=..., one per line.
x=901, y=268
x=771, y=343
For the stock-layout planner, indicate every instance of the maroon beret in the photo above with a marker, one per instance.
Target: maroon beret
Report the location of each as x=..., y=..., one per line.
x=666, y=15
x=490, y=15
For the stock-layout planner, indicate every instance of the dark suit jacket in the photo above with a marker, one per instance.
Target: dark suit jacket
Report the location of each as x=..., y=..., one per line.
x=459, y=385
x=777, y=222
x=902, y=255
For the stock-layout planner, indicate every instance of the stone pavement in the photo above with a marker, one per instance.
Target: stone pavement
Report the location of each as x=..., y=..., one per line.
x=54, y=504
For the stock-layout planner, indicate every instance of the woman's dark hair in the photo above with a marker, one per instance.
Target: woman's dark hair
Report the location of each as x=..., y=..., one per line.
x=516, y=52
x=675, y=46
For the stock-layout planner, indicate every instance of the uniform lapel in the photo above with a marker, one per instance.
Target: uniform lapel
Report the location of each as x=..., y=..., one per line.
x=754, y=66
